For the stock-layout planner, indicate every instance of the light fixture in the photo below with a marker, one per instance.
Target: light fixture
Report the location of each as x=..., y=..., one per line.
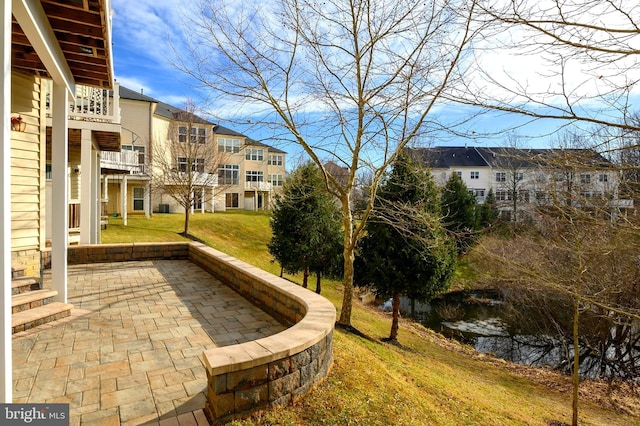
x=17, y=124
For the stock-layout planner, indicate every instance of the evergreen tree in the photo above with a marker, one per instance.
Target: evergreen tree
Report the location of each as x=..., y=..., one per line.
x=459, y=208
x=406, y=251
x=488, y=211
x=306, y=226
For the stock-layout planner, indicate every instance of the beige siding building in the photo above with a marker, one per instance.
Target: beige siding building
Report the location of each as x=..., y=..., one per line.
x=226, y=169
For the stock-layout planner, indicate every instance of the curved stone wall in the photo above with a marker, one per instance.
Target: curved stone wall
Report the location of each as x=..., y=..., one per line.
x=274, y=370
x=260, y=374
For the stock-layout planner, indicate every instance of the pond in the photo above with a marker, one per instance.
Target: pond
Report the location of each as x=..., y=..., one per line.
x=489, y=321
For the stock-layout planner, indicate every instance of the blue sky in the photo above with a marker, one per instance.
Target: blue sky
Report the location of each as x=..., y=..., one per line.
x=144, y=31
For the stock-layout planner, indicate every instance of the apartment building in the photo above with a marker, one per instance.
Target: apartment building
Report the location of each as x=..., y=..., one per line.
x=224, y=169
x=522, y=179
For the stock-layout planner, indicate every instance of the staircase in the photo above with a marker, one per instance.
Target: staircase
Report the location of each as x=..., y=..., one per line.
x=32, y=305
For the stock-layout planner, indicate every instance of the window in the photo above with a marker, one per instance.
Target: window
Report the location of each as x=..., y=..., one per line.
x=275, y=160
x=501, y=177
x=459, y=174
x=198, y=165
x=138, y=198
x=585, y=178
x=603, y=178
x=275, y=180
x=182, y=164
x=519, y=176
x=254, y=154
x=194, y=135
x=231, y=200
x=182, y=134
x=503, y=195
x=47, y=172
x=202, y=135
x=229, y=145
x=475, y=175
x=254, y=176
x=228, y=174
x=524, y=196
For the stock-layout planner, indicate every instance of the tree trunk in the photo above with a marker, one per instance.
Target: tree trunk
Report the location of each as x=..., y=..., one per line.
x=305, y=277
x=396, y=317
x=576, y=360
x=318, y=278
x=187, y=212
x=347, y=280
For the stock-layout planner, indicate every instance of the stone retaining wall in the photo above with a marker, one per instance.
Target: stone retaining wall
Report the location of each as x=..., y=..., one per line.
x=274, y=370
x=260, y=374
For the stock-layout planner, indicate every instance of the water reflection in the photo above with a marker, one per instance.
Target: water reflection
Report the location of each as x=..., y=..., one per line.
x=489, y=321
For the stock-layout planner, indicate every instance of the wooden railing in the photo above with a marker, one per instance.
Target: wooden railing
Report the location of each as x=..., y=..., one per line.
x=124, y=160
x=92, y=104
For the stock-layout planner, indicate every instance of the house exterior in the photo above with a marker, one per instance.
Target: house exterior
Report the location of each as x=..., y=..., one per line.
x=49, y=50
x=227, y=170
x=522, y=179
x=250, y=173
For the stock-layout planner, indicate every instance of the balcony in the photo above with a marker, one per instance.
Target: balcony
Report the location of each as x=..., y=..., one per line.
x=91, y=104
x=124, y=161
x=258, y=186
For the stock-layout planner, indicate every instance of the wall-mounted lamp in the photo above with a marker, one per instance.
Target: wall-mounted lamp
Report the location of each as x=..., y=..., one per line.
x=17, y=124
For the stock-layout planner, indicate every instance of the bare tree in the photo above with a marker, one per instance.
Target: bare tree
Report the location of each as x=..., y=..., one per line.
x=351, y=82
x=576, y=264
x=575, y=61
x=186, y=162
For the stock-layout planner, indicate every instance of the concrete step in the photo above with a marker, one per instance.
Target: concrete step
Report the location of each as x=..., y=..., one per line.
x=32, y=299
x=24, y=284
x=17, y=270
x=41, y=315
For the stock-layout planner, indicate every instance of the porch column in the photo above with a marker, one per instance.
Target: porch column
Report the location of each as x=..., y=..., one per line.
x=95, y=196
x=147, y=200
x=60, y=191
x=213, y=199
x=85, y=186
x=123, y=190
x=202, y=200
x=105, y=191
x=6, y=387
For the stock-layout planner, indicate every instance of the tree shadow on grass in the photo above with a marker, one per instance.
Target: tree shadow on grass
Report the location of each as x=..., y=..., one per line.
x=352, y=330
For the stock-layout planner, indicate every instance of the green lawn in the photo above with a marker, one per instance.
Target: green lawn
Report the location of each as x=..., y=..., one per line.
x=426, y=381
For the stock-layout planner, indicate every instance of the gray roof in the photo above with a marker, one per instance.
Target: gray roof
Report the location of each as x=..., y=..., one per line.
x=135, y=96
x=504, y=157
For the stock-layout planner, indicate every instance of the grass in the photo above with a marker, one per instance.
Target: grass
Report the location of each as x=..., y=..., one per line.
x=427, y=380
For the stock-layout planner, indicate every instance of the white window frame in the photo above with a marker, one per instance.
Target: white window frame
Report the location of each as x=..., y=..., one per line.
x=182, y=134
x=275, y=180
x=254, y=154
x=275, y=160
x=501, y=176
x=138, y=197
x=229, y=174
x=229, y=145
x=254, y=176
x=474, y=175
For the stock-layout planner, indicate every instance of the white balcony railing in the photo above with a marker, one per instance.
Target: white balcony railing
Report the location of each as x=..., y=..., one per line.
x=92, y=104
x=258, y=186
x=124, y=160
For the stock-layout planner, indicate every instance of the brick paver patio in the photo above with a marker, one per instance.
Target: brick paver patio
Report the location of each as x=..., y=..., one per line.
x=131, y=353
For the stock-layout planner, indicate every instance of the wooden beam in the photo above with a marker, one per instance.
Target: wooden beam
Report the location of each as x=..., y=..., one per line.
x=35, y=25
